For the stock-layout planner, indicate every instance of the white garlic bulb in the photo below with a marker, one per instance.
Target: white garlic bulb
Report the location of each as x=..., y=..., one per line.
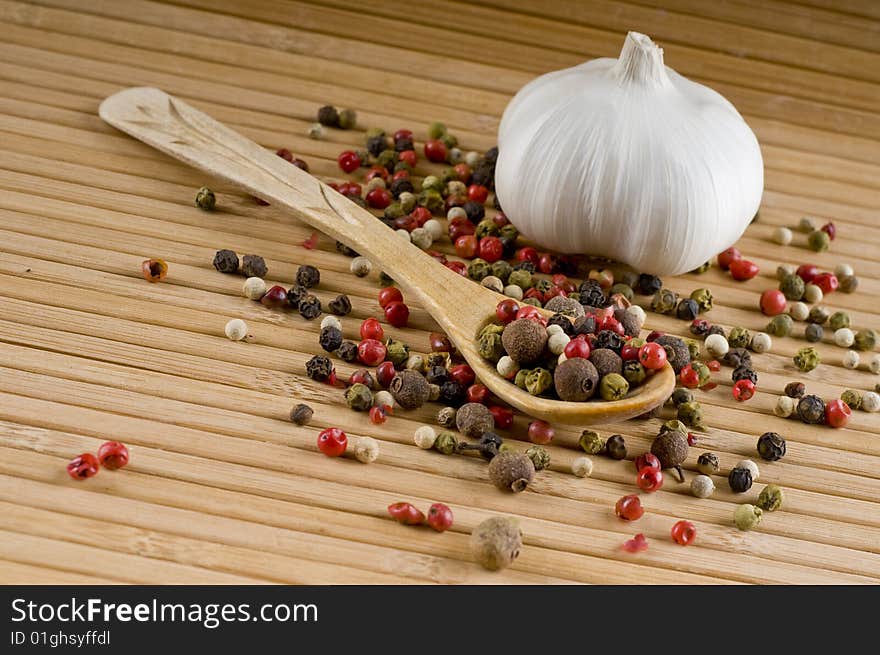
x=627, y=159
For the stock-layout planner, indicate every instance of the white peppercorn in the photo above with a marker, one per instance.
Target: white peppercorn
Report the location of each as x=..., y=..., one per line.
x=785, y=406
x=874, y=364
x=716, y=345
x=813, y=294
x=316, y=131
x=761, y=342
x=843, y=270
x=850, y=359
x=472, y=158
x=798, y=311
x=702, y=486
x=366, y=449
x=455, y=212
x=236, y=329
x=782, y=236
x=402, y=234
x=421, y=238
x=361, y=266
x=582, y=467
x=492, y=282
x=415, y=362
x=639, y=313
x=557, y=343
x=751, y=466
x=383, y=399
x=408, y=201
x=844, y=337
x=513, y=291
x=554, y=328
x=434, y=227
x=871, y=401
x=506, y=367
x=425, y=437
x=254, y=288
x=374, y=183
x=331, y=321
x=784, y=270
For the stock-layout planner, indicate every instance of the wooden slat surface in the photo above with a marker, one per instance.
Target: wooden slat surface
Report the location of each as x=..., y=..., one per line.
x=221, y=487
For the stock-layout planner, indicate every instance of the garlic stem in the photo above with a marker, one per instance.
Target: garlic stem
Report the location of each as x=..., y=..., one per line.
x=641, y=62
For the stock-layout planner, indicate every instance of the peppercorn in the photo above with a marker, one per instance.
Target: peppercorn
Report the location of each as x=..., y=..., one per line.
x=771, y=446
x=624, y=290
x=616, y=447
x=452, y=393
x=750, y=466
x=672, y=425
x=254, y=288
x=437, y=374
x=347, y=119
x=510, y=471
x=795, y=389
x=348, y=351
x=687, y=309
x=747, y=516
x=702, y=486
x=446, y=443
x=761, y=342
x=582, y=467
x=691, y=414
x=671, y=449
x=524, y=340
x=740, y=480
x=562, y=322
x=817, y=316
x=330, y=338
x=664, y=301
x=591, y=443
x=634, y=372
x=495, y=543
x=848, y=283
x=328, y=116
x=677, y=353
x=396, y=352
x=648, y=285
x=310, y=307
x=865, y=340
x=852, y=398
x=295, y=295
x=703, y=298
x=737, y=357
x=539, y=456
x=251, y=266
x=792, y=287
x=592, y=294
x=474, y=419
x=319, y=368
x=205, y=199
x=358, y=397
x=308, y=276
x=681, y=395
x=613, y=387
x=708, y=464
x=226, y=261
x=839, y=320
x=341, y=305
x=771, y=497
x=438, y=359
x=301, y=414
x=490, y=345
x=744, y=373
x=818, y=240
x=538, y=380
x=806, y=359
x=447, y=416
x=814, y=332
x=739, y=337
x=811, y=409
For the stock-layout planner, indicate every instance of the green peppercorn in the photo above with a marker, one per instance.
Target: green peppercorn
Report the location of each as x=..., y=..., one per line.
x=703, y=298
x=539, y=380
x=849, y=283
x=819, y=240
x=490, y=346
x=347, y=119
x=539, y=456
x=740, y=480
x=771, y=446
x=397, y=352
x=591, y=443
x=739, y=337
x=486, y=228
x=792, y=287
x=865, y=340
x=623, y=290
x=664, y=301
x=747, y=516
x=613, y=386
x=702, y=268
x=672, y=425
x=432, y=183
x=436, y=130
x=817, y=315
x=771, y=497
x=446, y=443
x=521, y=278
x=616, y=446
x=806, y=359
x=205, y=199
x=394, y=210
x=359, y=397
x=780, y=325
x=501, y=269
x=431, y=200
x=478, y=269
x=852, y=398
x=702, y=371
x=520, y=378
x=691, y=414
x=634, y=372
x=681, y=395
x=839, y=320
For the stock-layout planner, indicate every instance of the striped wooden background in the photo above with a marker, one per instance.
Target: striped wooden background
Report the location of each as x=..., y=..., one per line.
x=221, y=488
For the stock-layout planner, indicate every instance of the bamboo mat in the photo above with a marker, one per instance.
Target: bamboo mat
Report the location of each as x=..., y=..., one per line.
x=221, y=487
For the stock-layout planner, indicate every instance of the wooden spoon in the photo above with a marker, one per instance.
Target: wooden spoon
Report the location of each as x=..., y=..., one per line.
x=460, y=306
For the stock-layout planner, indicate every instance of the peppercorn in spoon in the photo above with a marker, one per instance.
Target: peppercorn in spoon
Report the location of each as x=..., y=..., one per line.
x=461, y=307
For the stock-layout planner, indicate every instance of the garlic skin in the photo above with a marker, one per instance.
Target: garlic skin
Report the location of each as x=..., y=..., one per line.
x=625, y=158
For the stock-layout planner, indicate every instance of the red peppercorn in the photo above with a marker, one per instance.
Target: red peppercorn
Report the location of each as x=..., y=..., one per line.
x=743, y=390
x=348, y=161
x=837, y=413
x=689, y=377
x=275, y=297
x=546, y=263
x=402, y=174
x=743, y=269
x=653, y=335
x=506, y=310
x=435, y=150
x=462, y=172
x=827, y=282
x=440, y=517
x=636, y=545
x=460, y=228
x=350, y=189
x=527, y=254
x=684, y=533
x=378, y=415
x=154, y=270
x=477, y=193
x=372, y=329
x=377, y=171
x=440, y=343
x=552, y=292
x=727, y=257
x=491, y=249
x=458, y=267
x=531, y=312
x=82, y=467
x=628, y=352
x=397, y=314
x=403, y=134
x=541, y=432
x=714, y=365
x=454, y=200
x=692, y=439
x=409, y=156
x=772, y=302
x=311, y=242
x=371, y=352
x=406, y=513
x=466, y=246
x=649, y=479
x=388, y=295
x=360, y=376
x=807, y=272
x=533, y=293
x=647, y=460
x=478, y=393
x=407, y=223
x=385, y=372
x=379, y=198
x=503, y=416
x=578, y=347
x=653, y=356
x=830, y=229
x=285, y=154
x=463, y=374
x=629, y=508
x=501, y=220
x=113, y=455
x=332, y=442
x=421, y=215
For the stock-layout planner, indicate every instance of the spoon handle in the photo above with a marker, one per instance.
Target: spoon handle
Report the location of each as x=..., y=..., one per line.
x=174, y=127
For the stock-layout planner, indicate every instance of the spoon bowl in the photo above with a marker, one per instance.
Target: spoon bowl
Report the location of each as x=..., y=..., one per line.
x=461, y=307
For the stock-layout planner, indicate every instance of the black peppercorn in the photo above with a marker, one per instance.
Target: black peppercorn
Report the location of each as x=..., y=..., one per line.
x=452, y=393
x=677, y=353
x=648, y=285
x=584, y=325
x=437, y=375
x=716, y=329
x=319, y=368
x=301, y=414
x=484, y=175
x=348, y=351
x=795, y=389
x=340, y=305
x=610, y=340
x=474, y=210
x=736, y=357
x=592, y=294
x=811, y=409
x=814, y=332
x=328, y=116
x=687, y=309
x=525, y=265
x=310, y=307
x=345, y=250
x=376, y=144
x=700, y=328
x=295, y=294
x=616, y=447
x=401, y=185
x=308, y=276
x=771, y=446
x=253, y=266
x=562, y=321
x=410, y=389
x=330, y=338
x=403, y=144
x=226, y=261
x=681, y=395
x=744, y=373
x=740, y=480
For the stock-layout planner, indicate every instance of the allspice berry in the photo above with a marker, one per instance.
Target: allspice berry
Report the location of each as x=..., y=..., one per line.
x=606, y=361
x=510, y=471
x=524, y=340
x=474, y=419
x=671, y=448
x=496, y=542
x=301, y=414
x=410, y=389
x=677, y=353
x=575, y=379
